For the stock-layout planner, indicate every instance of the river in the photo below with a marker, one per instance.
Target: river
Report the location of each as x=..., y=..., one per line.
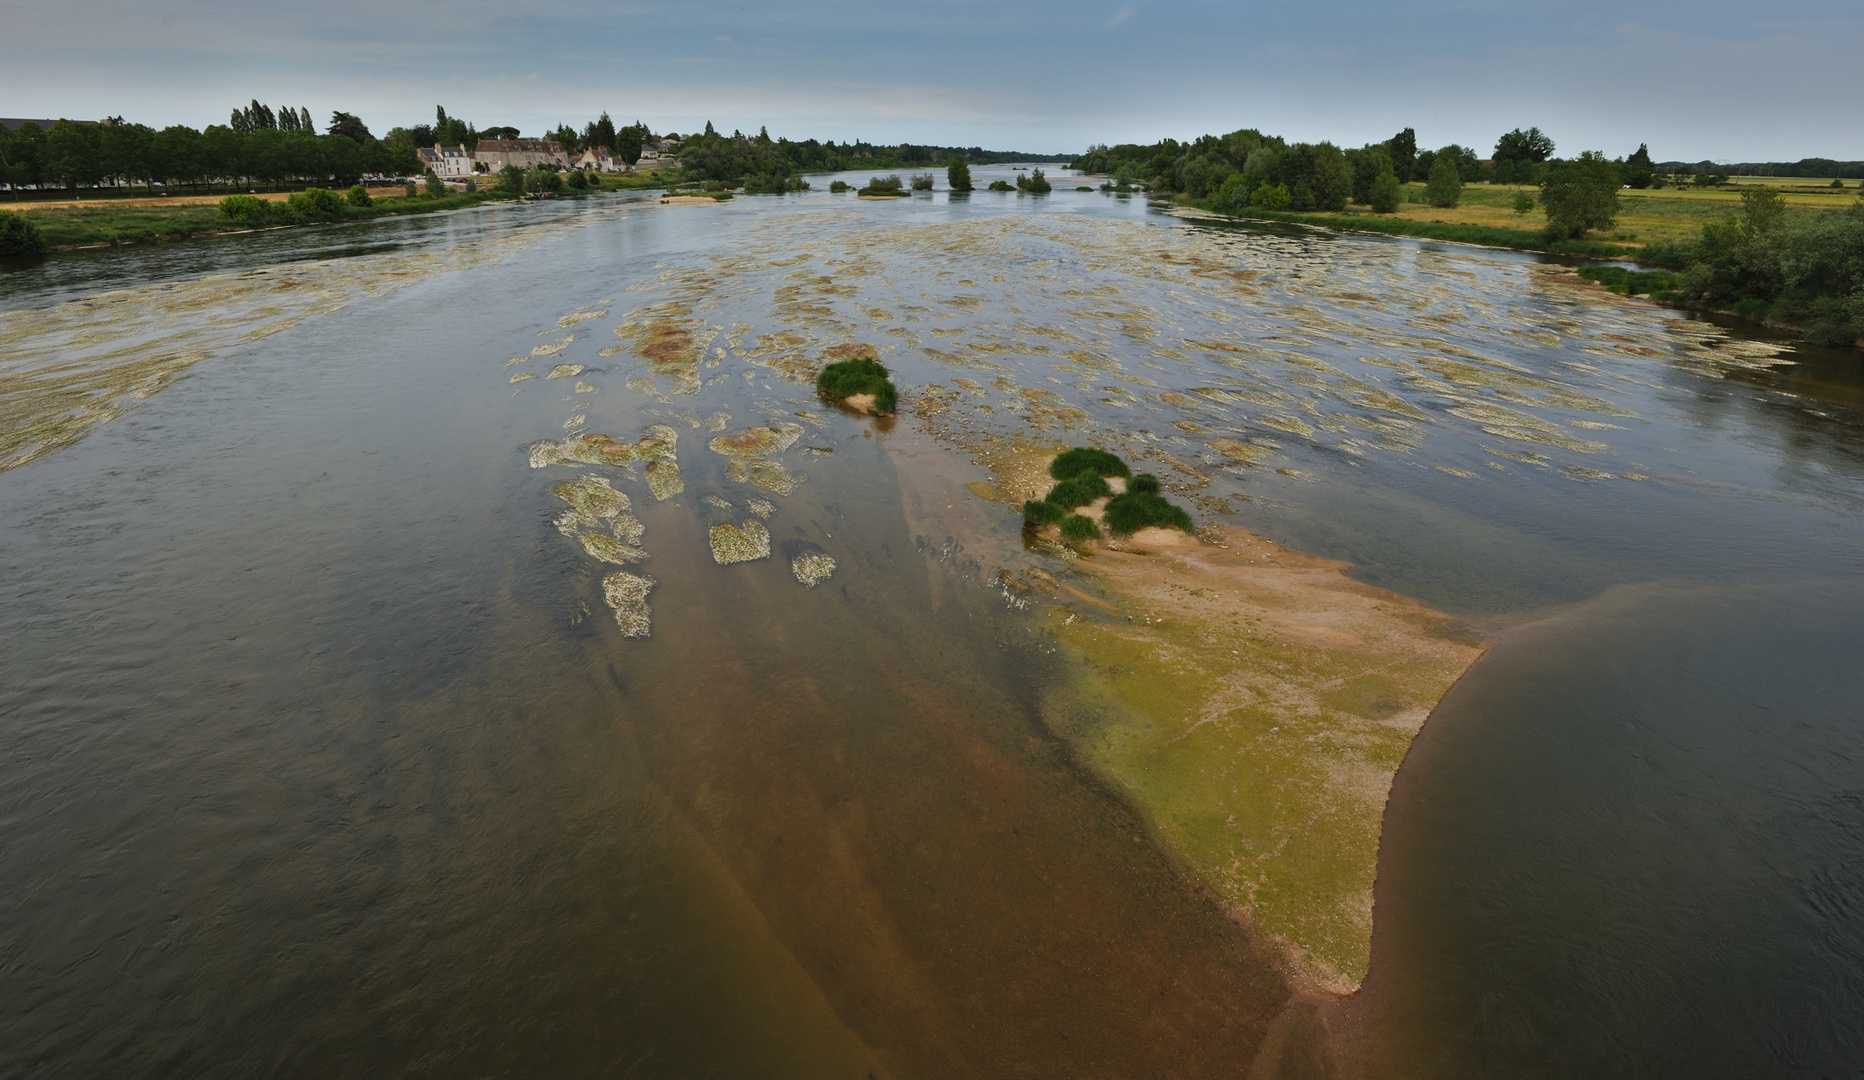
x=327, y=756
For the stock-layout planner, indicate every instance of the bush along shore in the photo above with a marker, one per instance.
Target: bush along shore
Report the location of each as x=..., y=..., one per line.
x=1085, y=498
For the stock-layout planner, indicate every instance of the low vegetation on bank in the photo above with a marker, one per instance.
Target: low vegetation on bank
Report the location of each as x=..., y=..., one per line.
x=1085, y=479
x=861, y=382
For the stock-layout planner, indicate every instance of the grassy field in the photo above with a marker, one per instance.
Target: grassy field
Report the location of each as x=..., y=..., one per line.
x=1486, y=216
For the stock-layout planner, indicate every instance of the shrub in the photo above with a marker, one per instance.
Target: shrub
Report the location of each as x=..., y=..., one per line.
x=246, y=209
x=858, y=376
x=1384, y=193
x=1087, y=459
x=579, y=182
x=511, y=179
x=409, y=190
x=1002, y=185
x=1145, y=483
x=958, y=175
x=922, y=181
x=359, y=196
x=19, y=236
x=1277, y=197
x=1630, y=282
x=839, y=187
x=889, y=185
x=435, y=186
x=1038, y=184
x=1445, y=187
x=1134, y=510
x=315, y=204
x=1523, y=202
x=1076, y=527
x=472, y=184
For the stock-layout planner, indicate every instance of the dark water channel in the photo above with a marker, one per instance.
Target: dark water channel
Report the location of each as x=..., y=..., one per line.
x=324, y=757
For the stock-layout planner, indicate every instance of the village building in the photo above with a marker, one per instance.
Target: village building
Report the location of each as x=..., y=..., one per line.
x=495, y=154
x=597, y=159
x=447, y=162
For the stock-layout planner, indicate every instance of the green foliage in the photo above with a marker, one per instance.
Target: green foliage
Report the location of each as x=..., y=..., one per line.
x=1523, y=202
x=1445, y=188
x=1518, y=152
x=541, y=181
x=1087, y=459
x=1134, y=510
x=774, y=184
x=1629, y=282
x=1077, y=528
x=1042, y=512
x=511, y=179
x=1638, y=170
x=922, y=181
x=19, y=236
x=1402, y=148
x=1369, y=163
x=858, y=376
x=1806, y=272
x=435, y=186
x=1272, y=198
x=312, y=204
x=1002, y=185
x=577, y=181
x=628, y=143
x=1035, y=183
x=839, y=187
x=1078, y=490
x=958, y=174
x=1385, y=193
x=349, y=127
x=1580, y=195
x=359, y=196
x=249, y=210
x=884, y=185
x=409, y=190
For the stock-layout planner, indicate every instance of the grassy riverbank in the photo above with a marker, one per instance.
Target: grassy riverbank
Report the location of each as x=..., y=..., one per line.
x=1485, y=215
x=110, y=222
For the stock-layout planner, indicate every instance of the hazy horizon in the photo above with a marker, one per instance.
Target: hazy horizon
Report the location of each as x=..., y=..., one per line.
x=1717, y=81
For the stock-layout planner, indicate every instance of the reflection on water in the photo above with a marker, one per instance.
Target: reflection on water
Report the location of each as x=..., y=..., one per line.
x=319, y=763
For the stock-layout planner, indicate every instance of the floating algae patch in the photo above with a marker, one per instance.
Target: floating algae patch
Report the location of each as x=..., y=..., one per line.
x=664, y=480
x=758, y=441
x=591, y=498
x=657, y=446
x=523, y=375
x=627, y=594
x=1255, y=707
x=760, y=507
x=808, y=562
x=773, y=477
x=566, y=371
x=739, y=543
x=608, y=549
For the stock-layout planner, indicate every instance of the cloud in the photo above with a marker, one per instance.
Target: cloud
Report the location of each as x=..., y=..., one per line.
x=1119, y=17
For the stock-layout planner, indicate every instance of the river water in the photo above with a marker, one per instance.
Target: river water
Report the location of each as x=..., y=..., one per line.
x=327, y=754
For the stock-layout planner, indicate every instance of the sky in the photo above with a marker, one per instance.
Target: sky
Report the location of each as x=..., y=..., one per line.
x=1695, y=79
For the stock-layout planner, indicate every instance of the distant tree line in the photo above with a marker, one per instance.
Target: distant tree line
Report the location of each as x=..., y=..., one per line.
x=260, y=146
x=764, y=164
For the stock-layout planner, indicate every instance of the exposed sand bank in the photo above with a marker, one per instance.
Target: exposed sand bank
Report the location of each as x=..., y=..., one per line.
x=1254, y=703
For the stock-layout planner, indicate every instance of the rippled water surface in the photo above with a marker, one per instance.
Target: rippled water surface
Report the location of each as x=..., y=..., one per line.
x=466, y=647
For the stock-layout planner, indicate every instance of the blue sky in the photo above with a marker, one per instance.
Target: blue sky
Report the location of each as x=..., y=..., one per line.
x=1708, y=79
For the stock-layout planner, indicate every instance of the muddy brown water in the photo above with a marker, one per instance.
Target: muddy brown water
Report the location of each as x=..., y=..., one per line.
x=325, y=757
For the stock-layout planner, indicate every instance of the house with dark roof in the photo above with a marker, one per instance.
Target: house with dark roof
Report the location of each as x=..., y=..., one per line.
x=495, y=154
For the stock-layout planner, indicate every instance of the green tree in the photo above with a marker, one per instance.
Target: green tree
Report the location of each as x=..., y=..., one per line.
x=1038, y=184
x=72, y=153
x=1384, y=193
x=1580, y=195
x=1638, y=171
x=1445, y=186
x=435, y=186
x=511, y=179
x=600, y=132
x=958, y=174
x=350, y=127
x=359, y=196
x=1369, y=163
x=628, y=143
x=1403, y=150
x=1762, y=211
x=1517, y=152
x=1272, y=198
x=1523, y=202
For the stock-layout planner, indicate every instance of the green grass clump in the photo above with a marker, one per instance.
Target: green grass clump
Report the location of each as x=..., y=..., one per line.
x=1086, y=459
x=1043, y=512
x=1128, y=513
x=1083, y=473
x=858, y=376
x=1078, y=490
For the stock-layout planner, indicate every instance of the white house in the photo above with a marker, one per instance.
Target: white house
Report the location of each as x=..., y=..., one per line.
x=447, y=162
x=596, y=159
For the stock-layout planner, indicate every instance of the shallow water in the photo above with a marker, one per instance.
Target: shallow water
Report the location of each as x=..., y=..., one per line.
x=330, y=755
